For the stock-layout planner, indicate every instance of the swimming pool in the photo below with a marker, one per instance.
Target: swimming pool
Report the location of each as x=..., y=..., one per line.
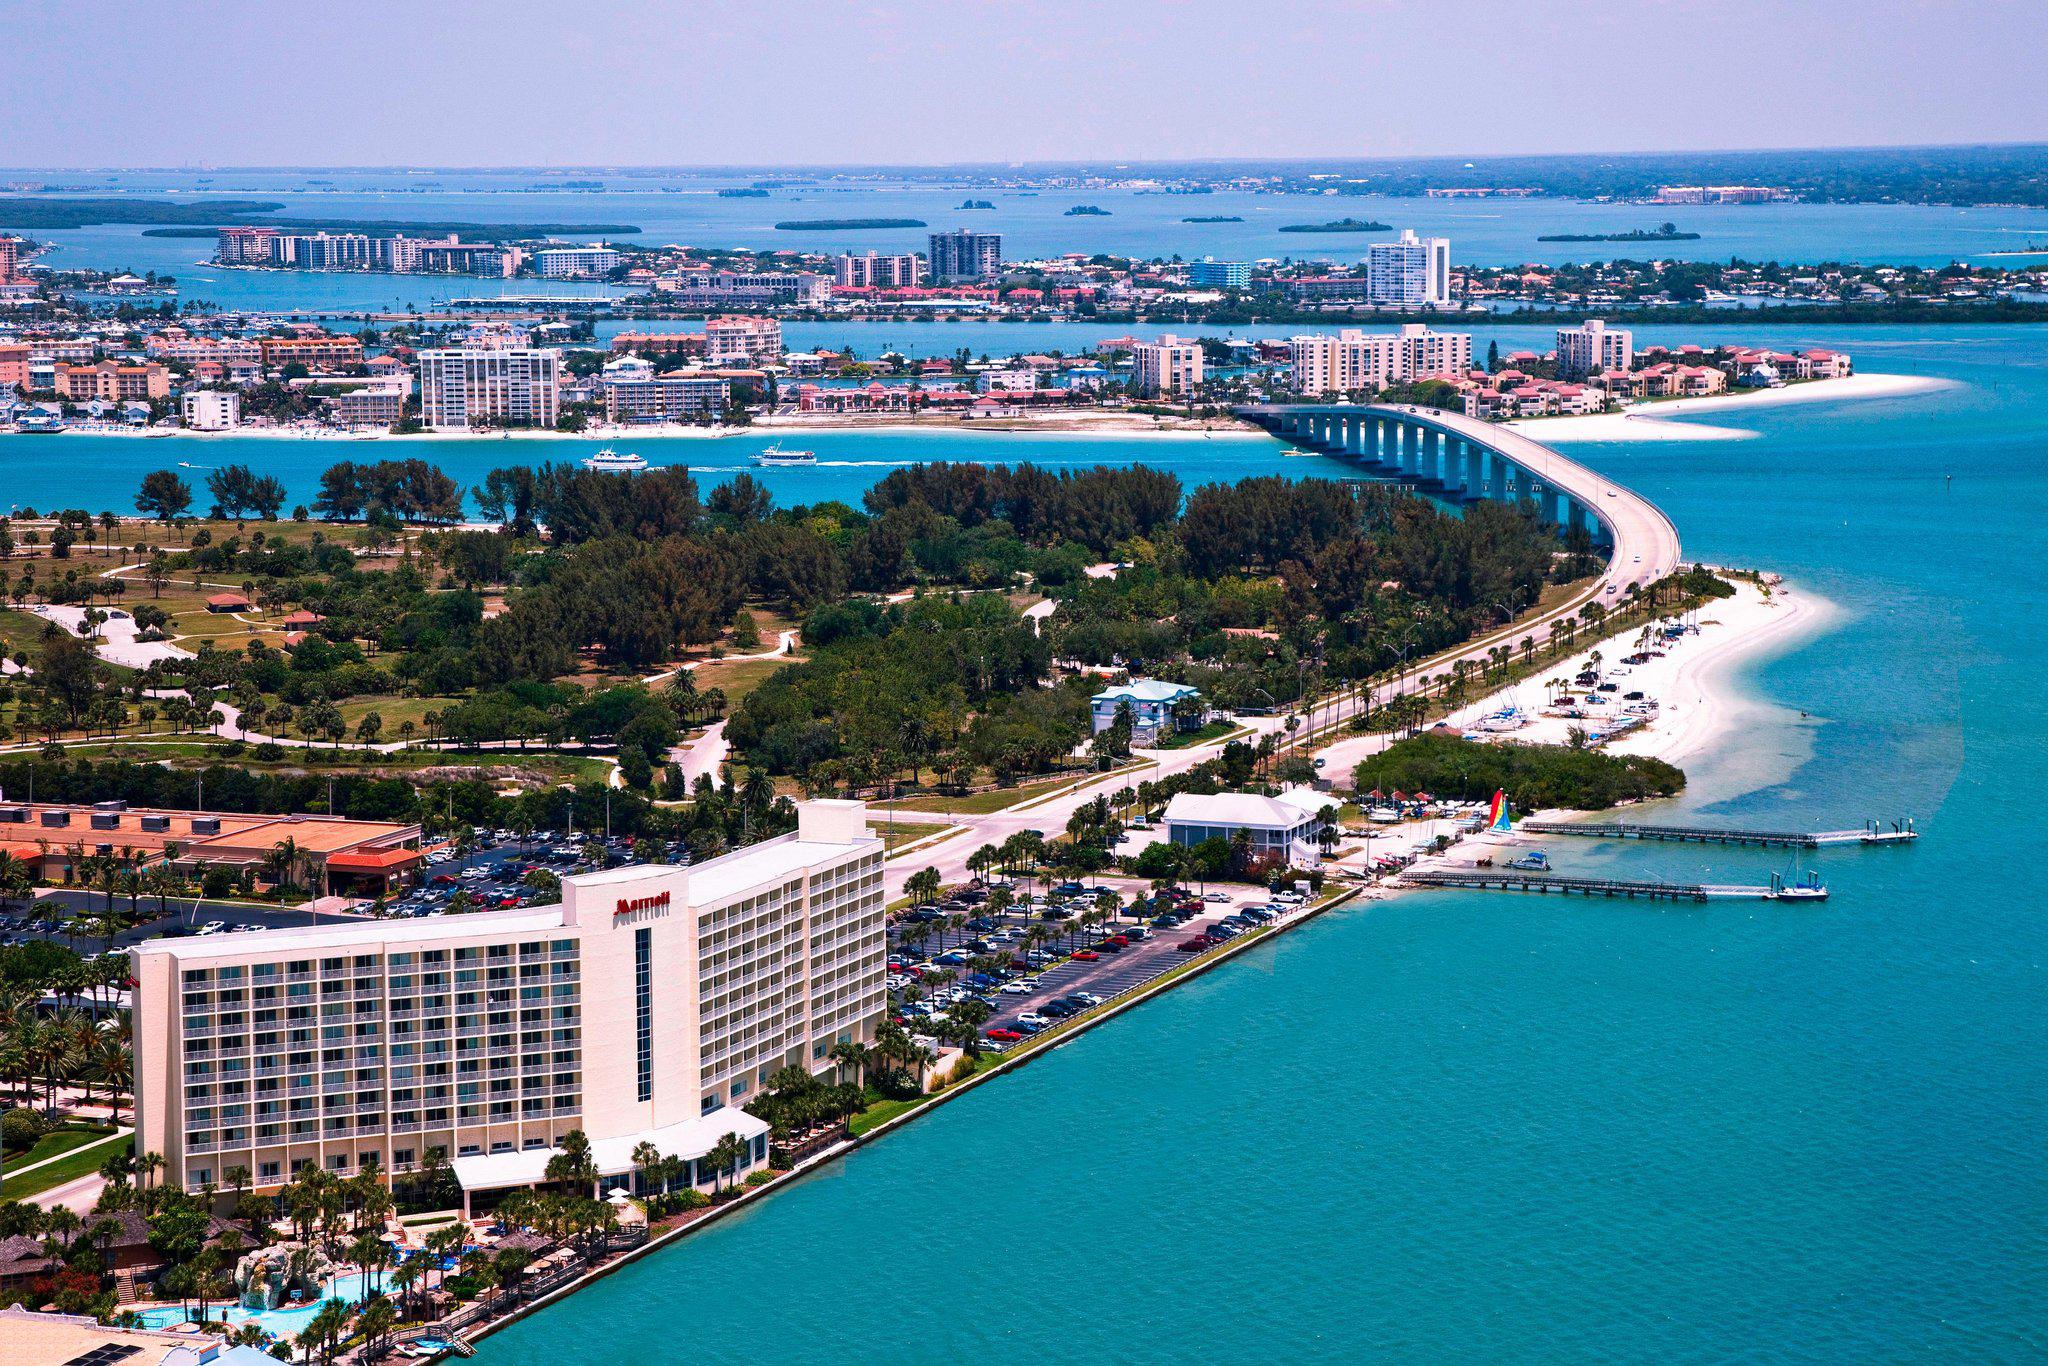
x=285, y=1321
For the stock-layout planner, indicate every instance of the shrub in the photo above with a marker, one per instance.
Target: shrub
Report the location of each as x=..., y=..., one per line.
x=21, y=1128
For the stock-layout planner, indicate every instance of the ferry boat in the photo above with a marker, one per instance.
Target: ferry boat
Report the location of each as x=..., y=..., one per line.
x=775, y=455
x=609, y=461
x=39, y=423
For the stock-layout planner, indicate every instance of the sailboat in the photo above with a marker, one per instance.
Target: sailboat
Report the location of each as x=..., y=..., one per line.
x=1808, y=888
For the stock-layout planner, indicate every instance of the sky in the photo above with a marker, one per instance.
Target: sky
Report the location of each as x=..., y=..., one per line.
x=110, y=83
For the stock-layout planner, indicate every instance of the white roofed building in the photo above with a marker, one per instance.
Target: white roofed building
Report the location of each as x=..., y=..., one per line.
x=1284, y=826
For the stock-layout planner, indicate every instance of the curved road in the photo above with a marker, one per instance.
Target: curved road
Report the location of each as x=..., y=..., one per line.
x=1645, y=549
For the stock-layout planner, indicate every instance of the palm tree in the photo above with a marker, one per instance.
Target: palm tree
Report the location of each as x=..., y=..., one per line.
x=377, y=1321
x=851, y=1053
x=282, y=863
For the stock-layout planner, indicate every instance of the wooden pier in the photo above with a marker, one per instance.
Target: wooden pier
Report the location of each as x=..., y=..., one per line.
x=1871, y=833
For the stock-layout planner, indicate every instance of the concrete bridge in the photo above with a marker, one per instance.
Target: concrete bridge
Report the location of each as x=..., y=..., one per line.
x=1462, y=459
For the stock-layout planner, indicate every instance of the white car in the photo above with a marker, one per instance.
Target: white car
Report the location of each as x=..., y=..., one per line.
x=1016, y=988
x=213, y=927
x=1035, y=1020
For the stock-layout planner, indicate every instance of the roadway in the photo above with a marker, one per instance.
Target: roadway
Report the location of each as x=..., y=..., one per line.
x=1645, y=548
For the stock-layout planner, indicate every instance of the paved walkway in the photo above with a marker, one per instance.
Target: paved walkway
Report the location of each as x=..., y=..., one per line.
x=117, y=642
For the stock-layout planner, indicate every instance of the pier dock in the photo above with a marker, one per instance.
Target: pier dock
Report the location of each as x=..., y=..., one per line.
x=1871, y=833
x=1481, y=879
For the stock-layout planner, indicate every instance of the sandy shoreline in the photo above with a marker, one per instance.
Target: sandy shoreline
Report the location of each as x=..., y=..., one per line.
x=1119, y=426
x=1650, y=421
x=1700, y=704
x=1642, y=423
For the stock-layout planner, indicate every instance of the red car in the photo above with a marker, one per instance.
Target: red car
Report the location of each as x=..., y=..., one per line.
x=1086, y=956
x=443, y=880
x=1004, y=1035
x=1192, y=945
x=1122, y=941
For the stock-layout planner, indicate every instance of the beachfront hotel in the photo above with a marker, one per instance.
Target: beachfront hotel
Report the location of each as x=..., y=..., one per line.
x=648, y=1006
x=1352, y=361
x=1168, y=368
x=464, y=387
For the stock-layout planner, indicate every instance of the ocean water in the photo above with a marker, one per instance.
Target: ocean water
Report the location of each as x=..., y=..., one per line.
x=1482, y=1128
x=686, y=210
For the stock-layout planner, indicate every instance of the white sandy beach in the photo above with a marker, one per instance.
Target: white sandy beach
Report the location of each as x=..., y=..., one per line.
x=1700, y=707
x=1698, y=704
x=1110, y=425
x=1649, y=421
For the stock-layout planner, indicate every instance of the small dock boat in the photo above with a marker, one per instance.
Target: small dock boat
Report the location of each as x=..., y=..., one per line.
x=1535, y=861
x=1808, y=888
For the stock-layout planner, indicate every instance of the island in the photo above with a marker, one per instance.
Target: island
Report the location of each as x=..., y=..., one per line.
x=748, y=193
x=1087, y=211
x=1665, y=232
x=1338, y=225
x=1215, y=218
x=845, y=224
x=976, y=204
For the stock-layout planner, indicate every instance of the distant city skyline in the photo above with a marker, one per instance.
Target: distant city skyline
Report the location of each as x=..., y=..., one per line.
x=642, y=83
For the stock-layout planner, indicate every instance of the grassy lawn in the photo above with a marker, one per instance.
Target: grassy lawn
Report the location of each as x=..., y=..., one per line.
x=49, y=1145
x=21, y=633
x=739, y=677
x=1213, y=731
x=395, y=711
x=979, y=803
x=83, y=1161
x=896, y=834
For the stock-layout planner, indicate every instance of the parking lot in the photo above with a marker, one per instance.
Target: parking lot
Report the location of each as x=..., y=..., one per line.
x=492, y=872
x=1032, y=994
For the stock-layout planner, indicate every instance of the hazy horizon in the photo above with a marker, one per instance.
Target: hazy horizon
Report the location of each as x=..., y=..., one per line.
x=645, y=85
x=1095, y=164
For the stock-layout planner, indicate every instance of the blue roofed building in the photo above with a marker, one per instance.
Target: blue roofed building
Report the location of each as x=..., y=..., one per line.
x=1152, y=704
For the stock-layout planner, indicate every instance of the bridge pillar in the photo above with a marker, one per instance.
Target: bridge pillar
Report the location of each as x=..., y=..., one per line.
x=1499, y=490
x=1458, y=467
x=1438, y=444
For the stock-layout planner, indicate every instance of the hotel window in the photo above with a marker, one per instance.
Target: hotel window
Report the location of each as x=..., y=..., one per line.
x=643, y=1007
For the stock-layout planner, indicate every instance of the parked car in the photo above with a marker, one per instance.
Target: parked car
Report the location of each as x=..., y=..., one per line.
x=1086, y=956
x=1005, y=1035
x=1195, y=945
x=1033, y=1020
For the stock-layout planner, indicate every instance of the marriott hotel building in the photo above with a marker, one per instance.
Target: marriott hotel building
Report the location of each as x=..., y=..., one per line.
x=650, y=1005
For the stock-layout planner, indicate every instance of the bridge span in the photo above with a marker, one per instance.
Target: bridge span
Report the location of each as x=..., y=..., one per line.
x=1463, y=459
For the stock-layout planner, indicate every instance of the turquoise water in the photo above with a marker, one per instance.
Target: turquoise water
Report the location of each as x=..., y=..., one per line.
x=52, y=471
x=286, y=1321
x=1486, y=1129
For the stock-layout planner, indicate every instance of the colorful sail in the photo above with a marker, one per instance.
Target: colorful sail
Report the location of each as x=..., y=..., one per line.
x=1499, y=818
